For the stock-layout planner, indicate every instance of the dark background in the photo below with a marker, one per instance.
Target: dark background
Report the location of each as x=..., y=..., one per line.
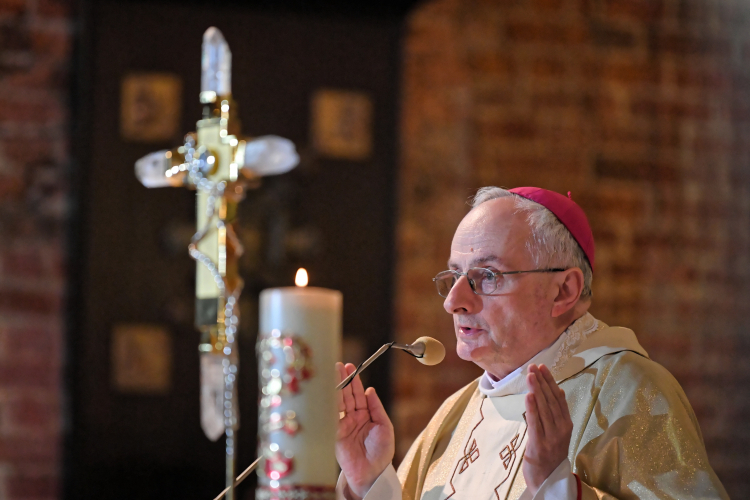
x=128, y=242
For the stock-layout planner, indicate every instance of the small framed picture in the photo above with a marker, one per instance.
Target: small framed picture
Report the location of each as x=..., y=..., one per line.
x=342, y=124
x=141, y=357
x=150, y=107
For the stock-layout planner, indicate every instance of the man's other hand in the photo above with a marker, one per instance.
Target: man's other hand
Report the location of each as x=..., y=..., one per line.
x=365, y=443
x=550, y=427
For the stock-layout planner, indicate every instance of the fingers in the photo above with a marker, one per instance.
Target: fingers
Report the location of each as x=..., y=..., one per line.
x=549, y=426
x=552, y=407
x=346, y=392
x=543, y=410
x=556, y=390
x=358, y=390
x=549, y=389
x=536, y=431
x=377, y=411
x=559, y=394
x=341, y=372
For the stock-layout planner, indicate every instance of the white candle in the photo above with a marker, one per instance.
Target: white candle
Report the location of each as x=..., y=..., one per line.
x=298, y=345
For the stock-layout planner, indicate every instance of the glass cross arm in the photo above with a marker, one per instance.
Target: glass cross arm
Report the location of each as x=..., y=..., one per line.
x=268, y=155
x=157, y=170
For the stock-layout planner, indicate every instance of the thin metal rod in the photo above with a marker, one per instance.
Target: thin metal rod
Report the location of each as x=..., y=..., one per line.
x=416, y=350
x=240, y=478
x=230, y=466
x=364, y=365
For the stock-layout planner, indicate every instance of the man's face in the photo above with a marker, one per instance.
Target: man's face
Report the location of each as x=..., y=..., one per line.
x=502, y=331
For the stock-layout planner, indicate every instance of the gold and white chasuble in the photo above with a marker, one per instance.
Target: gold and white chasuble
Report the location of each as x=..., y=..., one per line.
x=488, y=458
x=634, y=432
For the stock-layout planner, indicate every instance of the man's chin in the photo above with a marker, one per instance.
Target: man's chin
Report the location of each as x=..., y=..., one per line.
x=471, y=353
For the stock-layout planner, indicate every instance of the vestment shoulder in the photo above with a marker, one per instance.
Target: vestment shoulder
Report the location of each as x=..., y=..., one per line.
x=631, y=378
x=636, y=435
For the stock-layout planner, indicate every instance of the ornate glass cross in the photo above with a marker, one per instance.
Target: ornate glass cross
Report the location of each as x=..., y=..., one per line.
x=220, y=166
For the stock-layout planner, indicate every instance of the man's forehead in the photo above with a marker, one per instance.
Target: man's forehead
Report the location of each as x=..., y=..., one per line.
x=490, y=232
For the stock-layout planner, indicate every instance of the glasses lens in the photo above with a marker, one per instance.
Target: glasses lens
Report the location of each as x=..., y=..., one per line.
x=444, y=282
x=485, y=281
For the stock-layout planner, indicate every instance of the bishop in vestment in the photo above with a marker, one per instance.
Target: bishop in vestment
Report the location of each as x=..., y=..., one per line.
x=567, y=408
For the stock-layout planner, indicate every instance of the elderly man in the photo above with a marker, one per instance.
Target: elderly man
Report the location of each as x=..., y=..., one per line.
x=567, y=407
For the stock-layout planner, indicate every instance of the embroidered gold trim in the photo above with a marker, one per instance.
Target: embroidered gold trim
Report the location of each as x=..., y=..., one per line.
x=471, y=444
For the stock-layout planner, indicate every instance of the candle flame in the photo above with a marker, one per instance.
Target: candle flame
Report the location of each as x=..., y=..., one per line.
x=301, y=278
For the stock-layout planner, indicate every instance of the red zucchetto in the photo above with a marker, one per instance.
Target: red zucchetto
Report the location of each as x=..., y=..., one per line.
x=567, y=211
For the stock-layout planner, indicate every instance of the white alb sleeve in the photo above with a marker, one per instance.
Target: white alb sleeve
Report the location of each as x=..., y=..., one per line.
x=385, y=487
x=560, y=485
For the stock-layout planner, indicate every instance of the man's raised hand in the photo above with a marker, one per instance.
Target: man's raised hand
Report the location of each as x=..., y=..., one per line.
x=365, y=443
x=550, y=427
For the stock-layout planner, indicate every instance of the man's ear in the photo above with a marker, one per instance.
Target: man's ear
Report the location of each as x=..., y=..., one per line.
x=570, y=287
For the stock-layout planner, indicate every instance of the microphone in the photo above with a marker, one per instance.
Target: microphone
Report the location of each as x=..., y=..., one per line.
x=427, y=350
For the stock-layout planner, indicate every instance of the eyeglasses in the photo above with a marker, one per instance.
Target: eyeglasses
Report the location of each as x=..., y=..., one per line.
x=482, y=281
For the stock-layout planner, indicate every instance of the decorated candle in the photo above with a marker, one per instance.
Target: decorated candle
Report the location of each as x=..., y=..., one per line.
x=298, y=344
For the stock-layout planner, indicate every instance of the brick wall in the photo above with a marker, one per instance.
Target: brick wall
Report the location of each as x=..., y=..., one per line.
x=35, y=40
x=642, y=109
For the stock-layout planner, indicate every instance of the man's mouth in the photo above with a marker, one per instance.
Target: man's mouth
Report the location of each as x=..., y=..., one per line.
x=469, y=330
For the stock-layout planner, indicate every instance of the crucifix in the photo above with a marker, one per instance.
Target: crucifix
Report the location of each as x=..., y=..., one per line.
x=220, y=165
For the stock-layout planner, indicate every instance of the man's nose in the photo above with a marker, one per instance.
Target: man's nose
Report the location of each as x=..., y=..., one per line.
x=462, y=299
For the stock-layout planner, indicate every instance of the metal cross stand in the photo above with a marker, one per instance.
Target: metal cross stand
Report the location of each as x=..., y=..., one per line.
x=220, y=166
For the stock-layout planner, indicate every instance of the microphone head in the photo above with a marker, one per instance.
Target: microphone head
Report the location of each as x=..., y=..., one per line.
x=434, y=351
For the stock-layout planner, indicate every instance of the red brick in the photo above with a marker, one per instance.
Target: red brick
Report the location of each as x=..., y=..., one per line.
x=32, y=486
x=11, y=7
x=674, y=345
x=715, y=80
x=547, y=100
x=28, y=448
x=625, y=72
x=690, y=45
x=543, y=5
x=515, y=129
x=25, y=263
x=642, y=169
x=491, y=65
x=51, y=44
x=546, y=33
x=29, y=343
x=34, y=67
x=25, y=151
x=54, y=8
x=691, y=11
x=547, y=68
x=28, y=413
x=673, y=110
x=30, y=111
x=43, y=303
x=37, y=374
x=612, y=36
x=643, y=10
x=46, y=74
x=11, y=187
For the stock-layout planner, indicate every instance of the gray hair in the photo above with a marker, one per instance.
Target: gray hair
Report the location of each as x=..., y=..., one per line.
x=551, y=245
